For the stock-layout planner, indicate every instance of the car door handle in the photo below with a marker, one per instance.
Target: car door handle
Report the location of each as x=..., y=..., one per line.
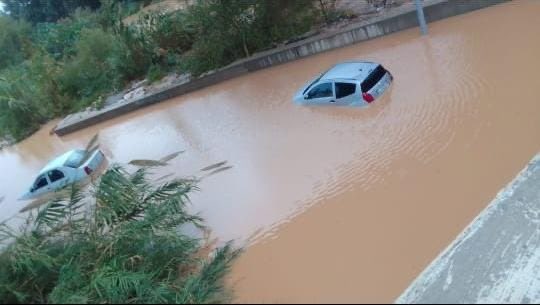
x=332, y=101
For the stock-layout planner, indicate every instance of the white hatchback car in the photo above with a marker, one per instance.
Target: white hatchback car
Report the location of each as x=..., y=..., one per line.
x=346, y=84
x=71, y=167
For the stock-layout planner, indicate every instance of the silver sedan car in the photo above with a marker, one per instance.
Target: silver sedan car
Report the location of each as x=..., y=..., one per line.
x=346, y=84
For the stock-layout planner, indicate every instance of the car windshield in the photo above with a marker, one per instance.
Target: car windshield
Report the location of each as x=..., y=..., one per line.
x=311, y=85
x=314, y=82
x=75, y=159
x=40, y=182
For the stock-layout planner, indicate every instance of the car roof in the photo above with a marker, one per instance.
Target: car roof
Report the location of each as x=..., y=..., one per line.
x=61, y=161
x=352, y=70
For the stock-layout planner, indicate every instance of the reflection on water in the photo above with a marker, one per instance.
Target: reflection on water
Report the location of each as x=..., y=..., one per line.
x=341, y=203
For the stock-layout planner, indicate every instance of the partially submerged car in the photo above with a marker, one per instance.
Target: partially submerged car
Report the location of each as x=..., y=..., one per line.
x=346, y=84
x=71, y=167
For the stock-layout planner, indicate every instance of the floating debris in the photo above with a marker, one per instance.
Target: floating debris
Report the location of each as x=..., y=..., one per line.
x=214, y=166
x=164, y=177
x=171, y=156
x=92, y=143
x=147, y=163
x=219, y=170
x=45, y=199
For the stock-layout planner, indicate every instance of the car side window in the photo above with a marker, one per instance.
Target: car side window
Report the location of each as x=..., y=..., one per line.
x=40, y=183
x=56, y=175
x=322, y=90
x=345, y=89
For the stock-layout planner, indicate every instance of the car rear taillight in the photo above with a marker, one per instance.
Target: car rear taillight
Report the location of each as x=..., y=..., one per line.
x=367, y=97
x=88, y=170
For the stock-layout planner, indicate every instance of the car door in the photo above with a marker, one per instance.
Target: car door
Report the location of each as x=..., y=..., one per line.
x=321, y=94
x=57, y=179
x=41, y=185
x=346, y=93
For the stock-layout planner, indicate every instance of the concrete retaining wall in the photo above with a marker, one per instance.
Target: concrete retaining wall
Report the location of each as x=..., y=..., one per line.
x=400, y=19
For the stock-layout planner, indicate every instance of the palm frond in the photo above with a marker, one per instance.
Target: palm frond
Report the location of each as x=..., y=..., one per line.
x=165, y=177
x=171, y=156
x=205, y=286
x=118, y=197
x=116, y=286
x=147, y=163
x=175, y=190
x=131, y=251
x=219, y=170
x=61, y=210
x=214, y=166
x=37, y=203
x=6, y=232
x=53, y=213
x=138, y=178
x=89, y=152
x=92, y=143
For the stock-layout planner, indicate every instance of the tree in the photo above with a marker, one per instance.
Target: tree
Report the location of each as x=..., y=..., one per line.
x=280, y=19
x=20, y=115
x=37, y=11
x=15, y=44
x=227, y=30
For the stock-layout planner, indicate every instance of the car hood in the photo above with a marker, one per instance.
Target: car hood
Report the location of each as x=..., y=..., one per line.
x=299, y=97
x=27, y=196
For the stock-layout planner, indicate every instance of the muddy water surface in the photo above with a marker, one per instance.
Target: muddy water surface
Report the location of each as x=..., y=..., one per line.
x=341, y=204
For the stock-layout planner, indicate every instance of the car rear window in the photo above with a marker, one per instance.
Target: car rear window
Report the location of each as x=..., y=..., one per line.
x=344, y=89
x=75, y=159
x=373, y=78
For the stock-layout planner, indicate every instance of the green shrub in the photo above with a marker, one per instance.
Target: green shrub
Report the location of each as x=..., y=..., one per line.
x=29, y=96
x=37, y=11
x=14, y=41
x=225, y=31
x=79, y=60
x=59, y=39
x=97, y=68
x=155, y=73
x=170, y=32
x=20, y=115
x=222, y=30
x=281, y=20
x=156, y=40
x=117, y=244
x=140, y=49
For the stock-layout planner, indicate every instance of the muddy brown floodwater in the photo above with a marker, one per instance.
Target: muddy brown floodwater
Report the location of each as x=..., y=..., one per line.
x=342, y=204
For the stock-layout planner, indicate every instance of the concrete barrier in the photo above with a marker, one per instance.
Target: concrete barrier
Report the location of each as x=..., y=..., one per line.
x=496, y=260
x=400, y=19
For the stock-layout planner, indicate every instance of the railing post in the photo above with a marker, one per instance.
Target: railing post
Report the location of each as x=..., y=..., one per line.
x=421, y=18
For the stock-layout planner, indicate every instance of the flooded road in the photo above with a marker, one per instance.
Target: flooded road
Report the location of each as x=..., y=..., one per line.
x=341, y=204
